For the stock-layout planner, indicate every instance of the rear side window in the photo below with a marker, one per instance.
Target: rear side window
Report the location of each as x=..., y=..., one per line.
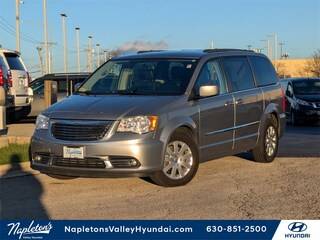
x=2, y=65
x=62, y=86
x=263, y=71
x=238, y=72
x=14, y=61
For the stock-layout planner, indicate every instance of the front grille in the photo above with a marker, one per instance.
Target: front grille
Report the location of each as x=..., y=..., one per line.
x=79, y=163
x=80, y=130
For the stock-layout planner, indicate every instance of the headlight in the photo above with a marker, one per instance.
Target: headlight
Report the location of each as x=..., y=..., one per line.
x=302, y=102
x=138, y=124
x=42, y=122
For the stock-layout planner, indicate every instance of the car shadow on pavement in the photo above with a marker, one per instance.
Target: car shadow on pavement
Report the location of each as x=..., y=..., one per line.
x=297, y=142
x=20, y=197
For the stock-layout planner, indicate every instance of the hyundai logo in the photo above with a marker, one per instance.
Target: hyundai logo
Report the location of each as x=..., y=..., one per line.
x=297, y=227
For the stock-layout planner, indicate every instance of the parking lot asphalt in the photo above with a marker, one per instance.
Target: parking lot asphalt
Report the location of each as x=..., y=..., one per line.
x=227, y=188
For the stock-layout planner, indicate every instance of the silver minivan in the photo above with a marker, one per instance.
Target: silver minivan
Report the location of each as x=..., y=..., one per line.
x=158, y=114
x=18, y=80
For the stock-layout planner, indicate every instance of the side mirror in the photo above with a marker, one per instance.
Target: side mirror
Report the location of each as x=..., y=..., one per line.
x=208, y=91
x=77, y=86
x=288, y=93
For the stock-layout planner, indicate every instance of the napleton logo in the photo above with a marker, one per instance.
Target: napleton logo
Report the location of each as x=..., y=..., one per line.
x=15, y=229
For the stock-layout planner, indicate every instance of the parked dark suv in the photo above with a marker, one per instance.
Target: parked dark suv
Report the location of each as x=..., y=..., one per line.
x=160, y=113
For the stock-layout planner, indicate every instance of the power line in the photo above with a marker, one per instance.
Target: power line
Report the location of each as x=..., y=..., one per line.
x=5, y=28
x=11, y=28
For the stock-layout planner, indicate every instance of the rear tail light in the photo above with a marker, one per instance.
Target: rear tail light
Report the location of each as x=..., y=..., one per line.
x=29, y=78
x=283, y=101
x=1, y=78
x=9, y=78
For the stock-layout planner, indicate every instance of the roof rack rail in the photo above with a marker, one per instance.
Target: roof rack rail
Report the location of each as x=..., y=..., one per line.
x=226, y=50
x=146, y=51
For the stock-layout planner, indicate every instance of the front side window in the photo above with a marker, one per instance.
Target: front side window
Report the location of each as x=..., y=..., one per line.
x=141, y=77
x=14, y=61
x=211, y=74
x=238, y=72
x=263, y=71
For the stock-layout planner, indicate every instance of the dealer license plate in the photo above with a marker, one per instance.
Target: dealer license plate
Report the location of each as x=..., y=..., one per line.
x=73, y=152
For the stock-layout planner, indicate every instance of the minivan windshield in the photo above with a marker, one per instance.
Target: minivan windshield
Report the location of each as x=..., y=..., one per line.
x=140, y=77
x=306, y=87
x=14, y=61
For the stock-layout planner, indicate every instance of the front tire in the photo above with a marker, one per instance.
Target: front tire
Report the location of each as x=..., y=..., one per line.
x=267, y=147
x=181, y=161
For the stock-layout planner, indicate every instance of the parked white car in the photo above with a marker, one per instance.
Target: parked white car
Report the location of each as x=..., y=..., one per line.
x=18, y=81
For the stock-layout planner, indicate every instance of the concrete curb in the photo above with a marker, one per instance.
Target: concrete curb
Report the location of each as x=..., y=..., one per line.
x=19, y=170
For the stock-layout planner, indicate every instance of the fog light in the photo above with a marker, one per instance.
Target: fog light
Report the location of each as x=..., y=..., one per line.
x=37, y=158
x=133, y=162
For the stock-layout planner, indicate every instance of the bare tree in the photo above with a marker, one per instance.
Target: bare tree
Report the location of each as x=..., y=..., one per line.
x=313, y=65
x=280, y=69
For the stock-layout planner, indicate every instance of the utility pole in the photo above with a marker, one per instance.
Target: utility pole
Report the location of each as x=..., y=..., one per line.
x=18, y=25
x=78, y=47
x=275, y=46
x=268, y=48
x=90, y=53
x=45, y=31
x=281, y=49
x=98, y=54
x=39, y=49
x=65, y=51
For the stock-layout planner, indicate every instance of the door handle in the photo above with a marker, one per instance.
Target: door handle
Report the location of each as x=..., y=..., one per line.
x=228, y=103
x=239, y=101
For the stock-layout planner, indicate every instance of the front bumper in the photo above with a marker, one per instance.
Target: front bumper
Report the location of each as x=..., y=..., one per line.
x=147, y=151
x=22, y=100
x=308, y=114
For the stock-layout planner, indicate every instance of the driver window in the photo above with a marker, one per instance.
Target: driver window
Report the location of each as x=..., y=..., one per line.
x=211, y=75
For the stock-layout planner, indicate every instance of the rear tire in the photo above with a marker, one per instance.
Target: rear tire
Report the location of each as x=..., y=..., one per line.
x=267, y=147
x=181, y=161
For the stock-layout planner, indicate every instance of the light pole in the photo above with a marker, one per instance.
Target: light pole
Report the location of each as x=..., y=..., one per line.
x=275, y=46
x=64, y=32
x=18, y=25
x=78, y=47
x=90, y=53
x=105, y=52
x=45, y=31
x=98, y=54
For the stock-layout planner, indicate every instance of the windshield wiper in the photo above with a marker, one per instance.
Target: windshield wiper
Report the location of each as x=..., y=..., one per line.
x=88, y=92
x=84, y=92
x=126, y=92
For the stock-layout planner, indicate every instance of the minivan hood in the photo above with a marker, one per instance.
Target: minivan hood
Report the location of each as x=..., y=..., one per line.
x=109, y=107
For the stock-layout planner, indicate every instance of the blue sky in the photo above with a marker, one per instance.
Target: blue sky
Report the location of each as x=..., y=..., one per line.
x=180, y=23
